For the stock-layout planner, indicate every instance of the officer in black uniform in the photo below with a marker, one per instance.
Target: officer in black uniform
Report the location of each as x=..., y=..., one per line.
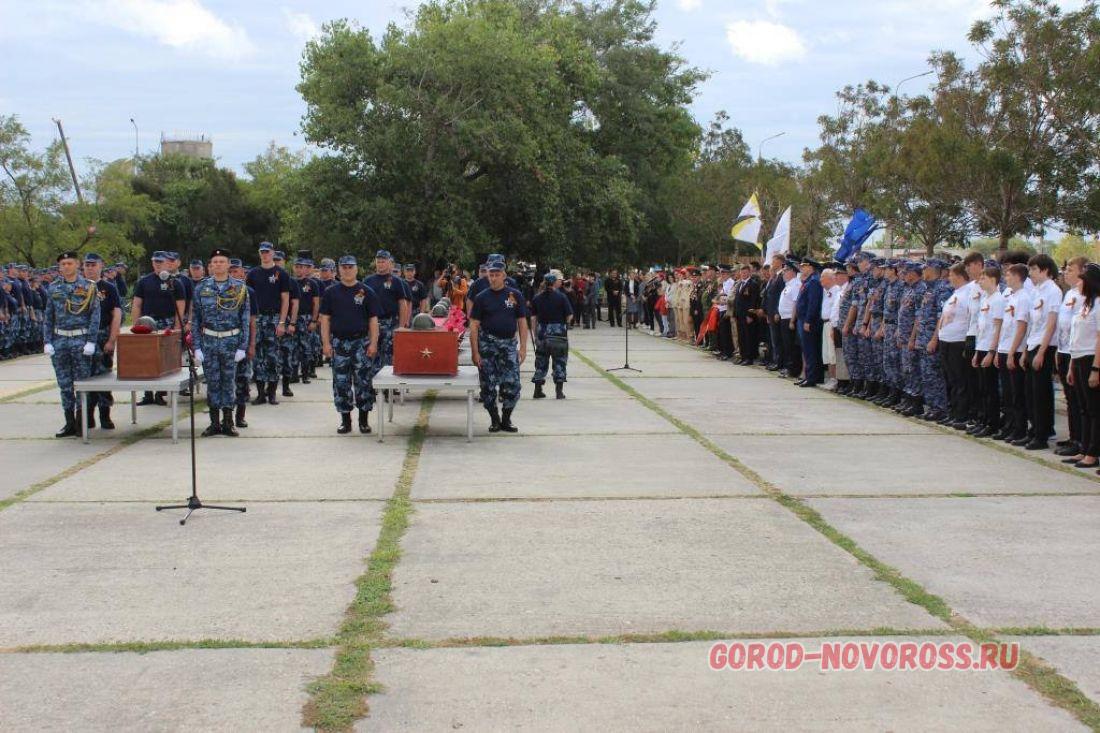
x=110, y=321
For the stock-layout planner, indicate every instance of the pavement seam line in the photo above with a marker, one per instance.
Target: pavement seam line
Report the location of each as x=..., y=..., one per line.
x=1057, y=689
x=143, y=647
x=25, y=392
x=21, y=496
x=339, y=698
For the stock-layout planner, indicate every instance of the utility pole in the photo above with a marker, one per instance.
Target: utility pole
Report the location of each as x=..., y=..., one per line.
x=69, y=157
x=137, y=147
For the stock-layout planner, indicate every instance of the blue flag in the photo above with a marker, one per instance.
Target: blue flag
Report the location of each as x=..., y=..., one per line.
x=859, y=229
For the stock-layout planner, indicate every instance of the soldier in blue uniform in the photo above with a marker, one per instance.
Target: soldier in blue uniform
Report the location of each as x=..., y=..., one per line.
x=110, y=321
x=857, y=299
x=69, y=333
x=288, y=344
x=309, y=305
x=271, y=284
x=349, y=338
x=912, y=294
x=418, y=291
x=163, y=301
x=221, y=318
x=888, y=337
x=933, y=383
x=496, y=317
x=9, y=310
x=244, y=367
x=871, y=347
x=395, y=306
x=551, y=314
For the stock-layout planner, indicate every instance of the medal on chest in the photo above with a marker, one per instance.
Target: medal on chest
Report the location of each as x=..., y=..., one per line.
x=360, y=296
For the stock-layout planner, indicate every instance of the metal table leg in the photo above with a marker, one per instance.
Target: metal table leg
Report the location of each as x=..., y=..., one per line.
x=175, y=416
x=469, y=416
x=382, y=425
x=391, y=395
x=84, y=416
x=133, y=408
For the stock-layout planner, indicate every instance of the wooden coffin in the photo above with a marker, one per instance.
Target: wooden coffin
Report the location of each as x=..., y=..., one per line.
x=147, y=355
x=424, y=353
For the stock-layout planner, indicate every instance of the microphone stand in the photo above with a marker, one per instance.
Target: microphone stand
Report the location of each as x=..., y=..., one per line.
x=193, y=502
x=626, y=359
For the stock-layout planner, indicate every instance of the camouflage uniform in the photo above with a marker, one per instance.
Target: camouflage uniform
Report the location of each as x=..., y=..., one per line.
x=857, y=297
x=267, y=364
x=71, y=322
x=872, y=351
x=499, y=370
x=543, y=358
x=910, y=300
x=891, y=356
x=933, y=383
x=352, y=370
x=219, y=309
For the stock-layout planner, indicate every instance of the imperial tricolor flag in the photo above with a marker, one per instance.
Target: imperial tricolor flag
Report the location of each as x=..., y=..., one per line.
x=746, y=228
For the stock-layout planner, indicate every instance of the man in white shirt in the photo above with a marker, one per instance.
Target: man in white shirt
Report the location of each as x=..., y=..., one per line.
x=792, y=349
x=1070, y=307
x=725, y=325
x=1042, y=343
x=974, y=263
x=830, y=309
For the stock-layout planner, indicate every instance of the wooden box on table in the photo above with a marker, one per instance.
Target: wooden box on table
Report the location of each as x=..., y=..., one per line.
x=148, y=355
x=425, y=353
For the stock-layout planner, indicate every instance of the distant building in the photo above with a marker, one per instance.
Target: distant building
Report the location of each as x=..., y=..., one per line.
x=193, y=146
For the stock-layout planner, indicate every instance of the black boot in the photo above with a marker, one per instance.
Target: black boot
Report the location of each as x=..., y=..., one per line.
x=364, y=425
x=539, y=394
x=261, y=394
x=241, y=423
x=146, y=399
x=345, y=423
x=506, y=421
x=70, y=426
x=227, y=423
x=286, y=387
x=559, y=390
x=215, y=427
x=91, y=417
x=271, y=400
x=305, y=374
x=856, y=388
x=105, y=417
x=494, y=417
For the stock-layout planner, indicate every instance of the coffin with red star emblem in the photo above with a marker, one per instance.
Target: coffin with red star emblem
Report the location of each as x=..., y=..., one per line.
x=423, y=353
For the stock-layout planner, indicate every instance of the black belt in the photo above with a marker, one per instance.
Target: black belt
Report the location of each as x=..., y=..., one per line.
x=350, y=337
x=269, y=313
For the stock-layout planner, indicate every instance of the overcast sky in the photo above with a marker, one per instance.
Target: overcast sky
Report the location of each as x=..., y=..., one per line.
x=227, y=68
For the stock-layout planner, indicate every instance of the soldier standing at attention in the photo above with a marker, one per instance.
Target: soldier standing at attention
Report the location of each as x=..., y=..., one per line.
x=349, y=339
x=613, y=286
x=110, y=321
x=394, y=306
x=69, y=333
x=551, y=313
x=161, y=300
x=221, y=316
x=495, y=317
x=417, y=290
x=309, y=305
x=244, y=368
x=272, y=287
x=288, y=344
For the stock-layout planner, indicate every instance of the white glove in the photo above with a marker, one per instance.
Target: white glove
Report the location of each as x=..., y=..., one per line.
x=48, y=349
x=89, y=349
x=198, y=356
x=239, y=355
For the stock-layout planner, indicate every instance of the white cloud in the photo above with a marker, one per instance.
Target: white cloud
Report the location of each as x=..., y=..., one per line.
x=689, y=5
x=300, y=25
x=764, y=42
x=183, y=24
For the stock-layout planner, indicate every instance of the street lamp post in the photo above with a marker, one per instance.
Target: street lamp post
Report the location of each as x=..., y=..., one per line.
x=137, y=147
x=760, y=147
x=897, y=87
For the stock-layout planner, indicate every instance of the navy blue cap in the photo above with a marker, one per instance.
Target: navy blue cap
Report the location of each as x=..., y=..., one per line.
x=196, y=263
x=172, y=255
x=121, y=264
x=234, y=262
x=496, y=266
x=791, y=263
x=63, y=256
x=383, y=254
x=811, y=262
x=280, y=255
x=92, y=257
x=483, y=266
x=267, y=247
x=348, y=260
x=410, y=266
x=304, y=261
x=219, y=253
x=550, y=278
x=158, y=256
x=495, y=258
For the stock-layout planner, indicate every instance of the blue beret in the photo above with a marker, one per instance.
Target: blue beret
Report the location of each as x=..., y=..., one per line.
x=348, y=260
x=92, y=257
x=383, y=254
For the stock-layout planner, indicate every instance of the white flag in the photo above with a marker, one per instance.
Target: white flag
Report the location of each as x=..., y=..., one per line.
x=780, y=243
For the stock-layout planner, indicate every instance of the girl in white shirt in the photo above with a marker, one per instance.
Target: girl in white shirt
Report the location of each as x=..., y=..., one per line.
x=1084, y=374
x=1070, y=307
x=1010, y=353
x=954, y=321
x=991, y=312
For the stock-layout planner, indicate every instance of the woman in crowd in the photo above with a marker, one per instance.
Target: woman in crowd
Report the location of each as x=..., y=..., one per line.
x=1084, y=373
x=1071, y=306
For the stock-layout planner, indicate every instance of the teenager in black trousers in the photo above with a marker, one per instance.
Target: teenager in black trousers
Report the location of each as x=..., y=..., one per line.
x=1084, y=373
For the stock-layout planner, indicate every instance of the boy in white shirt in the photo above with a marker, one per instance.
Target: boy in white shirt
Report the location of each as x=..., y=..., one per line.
x=1042, y=343
x=954, y=323
x=1011, y=353
x=991, y=313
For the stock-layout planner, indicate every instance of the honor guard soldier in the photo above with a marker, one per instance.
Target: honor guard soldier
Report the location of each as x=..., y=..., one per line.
x=394, y=306
x=551, y=313
x=272, y=287
x=244, y=368
x=220, y=323
x=69, y=334
x=495, y=318
x=349, y=339
x=110, y=321
x=288, y=342
x=161, y=298
x=309, y=305
x=417, y=290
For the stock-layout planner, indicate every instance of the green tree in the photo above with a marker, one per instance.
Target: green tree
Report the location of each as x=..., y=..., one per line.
x=271, y=188
x=32, y=190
